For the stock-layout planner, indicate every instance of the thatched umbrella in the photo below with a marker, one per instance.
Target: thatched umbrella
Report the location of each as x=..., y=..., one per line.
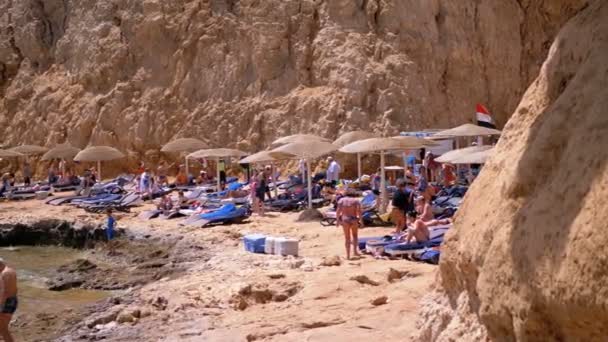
x=448, y=157
x=479, y=157
x=216, y=154
x=298, y=138
x=308, y=151
x=466, y=130
x=29, y=149
x=98, y=154
x=9, y=154
x=62, y=151
x=351, y=137
x=265, y=157
x=184, y=145
x=384, y=145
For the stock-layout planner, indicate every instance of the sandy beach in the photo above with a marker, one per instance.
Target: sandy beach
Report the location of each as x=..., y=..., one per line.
x=228, y=294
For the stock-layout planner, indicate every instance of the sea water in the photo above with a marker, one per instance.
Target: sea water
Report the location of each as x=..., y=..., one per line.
x=34, y=266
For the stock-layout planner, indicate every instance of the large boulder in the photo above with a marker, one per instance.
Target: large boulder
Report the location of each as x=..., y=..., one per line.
x=527, y=259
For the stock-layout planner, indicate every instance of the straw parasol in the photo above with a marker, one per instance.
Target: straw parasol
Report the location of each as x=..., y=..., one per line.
x=98, y=154
x=216, y=154
x=466, y=130
x=29, y=149
x=184, y=145
x=265, y=157
x=479, y=157
x=384, y=145
x=62, y=151
x=351, y=137
x=448, y=157
x=9, y=154
x=298, y=138
x=305, y=150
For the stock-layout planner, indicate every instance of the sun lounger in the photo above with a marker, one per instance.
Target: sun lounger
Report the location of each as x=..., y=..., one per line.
x=228, y=213
x=407, y=249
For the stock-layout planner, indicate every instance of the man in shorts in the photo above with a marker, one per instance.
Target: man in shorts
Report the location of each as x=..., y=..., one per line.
x=8, y=299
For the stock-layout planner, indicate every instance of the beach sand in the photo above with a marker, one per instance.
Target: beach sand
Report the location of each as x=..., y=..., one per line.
x=227, y=294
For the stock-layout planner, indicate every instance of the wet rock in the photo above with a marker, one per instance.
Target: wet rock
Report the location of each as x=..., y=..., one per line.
x=52, y=232
x=65, y=284
x=104, y=317
x=331, y=261
x=159, y=302
x=151, y=264
x=125, y=317
x=363, y=279
x=80, y=266
x=380, y=301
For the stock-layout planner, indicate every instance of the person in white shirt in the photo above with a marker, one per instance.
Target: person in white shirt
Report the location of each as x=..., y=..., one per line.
x=333, y=171
x=302, y=168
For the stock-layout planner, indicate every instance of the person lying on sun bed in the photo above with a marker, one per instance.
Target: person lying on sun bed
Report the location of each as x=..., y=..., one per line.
x=418, y=230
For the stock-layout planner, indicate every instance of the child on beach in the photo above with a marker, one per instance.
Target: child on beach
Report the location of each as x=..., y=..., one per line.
x=110, y=225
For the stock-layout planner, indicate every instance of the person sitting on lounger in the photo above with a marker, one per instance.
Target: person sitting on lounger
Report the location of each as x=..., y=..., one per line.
x=182, y=178
x=182, y=201
x=165, y=205
x=162, y=171
x=418, y=230
x=423, y=208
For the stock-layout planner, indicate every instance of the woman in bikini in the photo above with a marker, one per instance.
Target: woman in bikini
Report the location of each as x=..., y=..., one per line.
x=348, y=216
x=424, y=209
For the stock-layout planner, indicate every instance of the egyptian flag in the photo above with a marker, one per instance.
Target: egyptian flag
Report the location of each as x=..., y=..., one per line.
x=483, y=117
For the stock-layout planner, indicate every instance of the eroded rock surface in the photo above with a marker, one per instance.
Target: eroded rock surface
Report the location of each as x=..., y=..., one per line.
x=134, y=74
x=527, y=258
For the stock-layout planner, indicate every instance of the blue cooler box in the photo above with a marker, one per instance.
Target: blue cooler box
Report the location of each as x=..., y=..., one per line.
x=254, y=243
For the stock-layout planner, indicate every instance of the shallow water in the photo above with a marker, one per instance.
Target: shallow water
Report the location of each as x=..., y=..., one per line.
x=34, y=265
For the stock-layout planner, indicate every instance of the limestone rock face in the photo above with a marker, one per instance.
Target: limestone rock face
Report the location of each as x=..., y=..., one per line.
x=136, y=73
x=527, y=260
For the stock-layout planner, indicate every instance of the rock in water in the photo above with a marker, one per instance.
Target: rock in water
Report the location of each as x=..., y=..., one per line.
x=526, y=260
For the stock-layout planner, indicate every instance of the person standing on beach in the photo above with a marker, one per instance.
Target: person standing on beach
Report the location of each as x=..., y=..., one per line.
x=27, y=174
x=348, y=215
x=8, y=299
x=110, y=225
x=333, y=171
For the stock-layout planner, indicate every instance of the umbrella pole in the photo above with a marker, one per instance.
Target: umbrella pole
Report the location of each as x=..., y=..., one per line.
x=187, y=173
x=359, y=166
x=274, y=180
x=384, y=203
x=217, y=168
x=309, y=185
x=99, y=170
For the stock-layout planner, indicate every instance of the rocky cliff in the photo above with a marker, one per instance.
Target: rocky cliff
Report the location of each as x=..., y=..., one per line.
x=527, y=260
x=239, y=73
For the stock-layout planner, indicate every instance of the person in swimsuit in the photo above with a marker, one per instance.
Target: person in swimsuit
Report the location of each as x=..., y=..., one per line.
x=162, y=171
x=424, y=209
x=260, y=191
x=418, y=230
x=8, y=299
x=348, y=215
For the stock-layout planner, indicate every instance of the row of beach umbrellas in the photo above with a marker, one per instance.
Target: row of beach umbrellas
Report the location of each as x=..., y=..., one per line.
x=300, y=146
